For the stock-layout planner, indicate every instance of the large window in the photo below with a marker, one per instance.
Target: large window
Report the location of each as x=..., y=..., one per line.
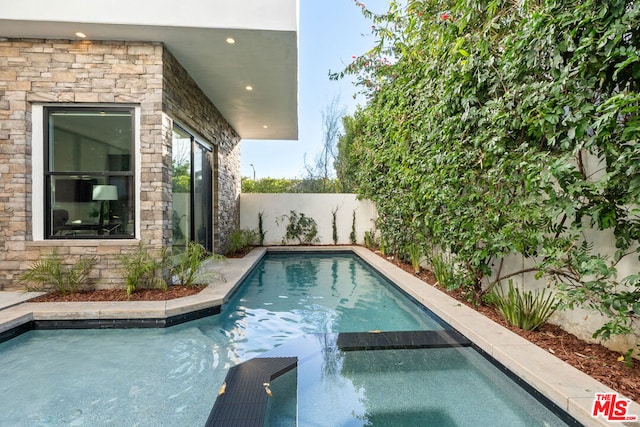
x=89, y=173
x=192, y=190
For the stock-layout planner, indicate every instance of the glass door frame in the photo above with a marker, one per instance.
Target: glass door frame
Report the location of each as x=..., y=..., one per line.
x=202, y=232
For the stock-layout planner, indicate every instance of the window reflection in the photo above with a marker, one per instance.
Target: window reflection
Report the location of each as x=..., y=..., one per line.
x=90, y=173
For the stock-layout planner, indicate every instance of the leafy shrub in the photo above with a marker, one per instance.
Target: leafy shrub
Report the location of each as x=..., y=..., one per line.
x=352, y=235
x=186, y=267
x=504, y=147
x=370, y=239
x=444, y=272
x=415, y=254
x=141, y=270
x=526, y=310
x=240, y=240
x=382, y=245
x=299, y=227
x=50, y=273
x=269, y=185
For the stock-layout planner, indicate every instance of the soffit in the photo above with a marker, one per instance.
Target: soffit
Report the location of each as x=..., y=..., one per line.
x=264, y=57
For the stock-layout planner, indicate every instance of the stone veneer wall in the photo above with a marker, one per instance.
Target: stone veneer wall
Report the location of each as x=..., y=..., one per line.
x=184, y=102
x=36, y=71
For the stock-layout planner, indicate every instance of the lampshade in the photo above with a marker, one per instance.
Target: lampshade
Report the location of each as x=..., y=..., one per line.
x=105, y=192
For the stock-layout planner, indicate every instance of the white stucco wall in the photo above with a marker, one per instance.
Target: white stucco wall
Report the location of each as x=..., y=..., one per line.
x=316, y=206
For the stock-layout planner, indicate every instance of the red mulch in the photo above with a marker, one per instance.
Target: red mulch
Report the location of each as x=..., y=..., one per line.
x=593, y=359
x=120, y=295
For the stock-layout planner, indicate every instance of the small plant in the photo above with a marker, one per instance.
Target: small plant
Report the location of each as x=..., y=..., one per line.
x=261, y=232
x=299, y=227
x=50, y=273
x=241, y=240
x=186, y=267
x=415, y=253
x=526, y=310
x=141, y=270
x=444, y=272
x=370, y=240
x=334, y=226
x=352, y=235
x=627, y=357
x=382, y=246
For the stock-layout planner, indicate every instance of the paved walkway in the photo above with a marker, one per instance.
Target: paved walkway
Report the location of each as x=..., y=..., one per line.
x=567, y=387
x=9, y=299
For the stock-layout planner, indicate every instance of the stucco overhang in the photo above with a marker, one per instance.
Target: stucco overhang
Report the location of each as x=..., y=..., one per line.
x=264, y=55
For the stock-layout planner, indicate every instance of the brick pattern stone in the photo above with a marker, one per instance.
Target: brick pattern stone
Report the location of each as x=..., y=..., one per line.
x=38, y=71
x=184, y=102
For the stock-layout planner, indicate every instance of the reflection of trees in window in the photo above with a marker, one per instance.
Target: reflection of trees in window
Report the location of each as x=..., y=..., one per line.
x=181, y=177
x=181, y=161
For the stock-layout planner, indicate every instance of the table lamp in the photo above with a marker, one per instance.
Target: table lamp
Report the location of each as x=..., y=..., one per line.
x=104, y=193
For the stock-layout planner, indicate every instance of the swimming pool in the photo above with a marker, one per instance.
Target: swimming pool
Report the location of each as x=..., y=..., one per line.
x=172, y=376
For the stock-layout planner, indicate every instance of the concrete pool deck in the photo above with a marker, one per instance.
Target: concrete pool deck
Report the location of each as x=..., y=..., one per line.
x=567, y=387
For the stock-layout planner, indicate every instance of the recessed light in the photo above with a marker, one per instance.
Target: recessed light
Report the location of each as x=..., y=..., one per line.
x=265, y=126
x=230, y=40
x=249, y=88
x=81, y=35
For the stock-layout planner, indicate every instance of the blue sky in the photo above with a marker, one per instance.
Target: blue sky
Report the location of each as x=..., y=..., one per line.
x=330, y=33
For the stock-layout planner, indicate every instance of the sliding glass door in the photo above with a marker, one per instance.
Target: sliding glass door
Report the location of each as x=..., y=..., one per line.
x=202, y=196
x=192, y=190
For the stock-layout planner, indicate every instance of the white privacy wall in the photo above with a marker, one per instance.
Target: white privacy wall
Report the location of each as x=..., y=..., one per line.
x=316, y=206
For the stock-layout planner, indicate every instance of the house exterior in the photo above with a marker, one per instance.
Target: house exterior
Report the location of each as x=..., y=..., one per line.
x=123, y=126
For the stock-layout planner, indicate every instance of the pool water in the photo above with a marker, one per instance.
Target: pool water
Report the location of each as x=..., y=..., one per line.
x=442, y=387
x=287, y=296
x=158, y=377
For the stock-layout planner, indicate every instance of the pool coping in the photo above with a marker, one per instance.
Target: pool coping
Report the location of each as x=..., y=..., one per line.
x=567, y=387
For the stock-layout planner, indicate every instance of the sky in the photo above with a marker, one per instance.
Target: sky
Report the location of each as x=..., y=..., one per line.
x=330, y=33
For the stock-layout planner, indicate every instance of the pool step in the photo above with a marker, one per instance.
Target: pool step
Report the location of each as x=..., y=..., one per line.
x=355, y=341
x=244, y=401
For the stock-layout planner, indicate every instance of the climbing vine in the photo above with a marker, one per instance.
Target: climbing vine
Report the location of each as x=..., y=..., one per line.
x=500, y=127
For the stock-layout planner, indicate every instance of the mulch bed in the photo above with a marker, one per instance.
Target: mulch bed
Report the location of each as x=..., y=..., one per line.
x=594, y=360
x=120, y=295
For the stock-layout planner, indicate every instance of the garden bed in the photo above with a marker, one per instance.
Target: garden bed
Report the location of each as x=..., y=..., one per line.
x=594, y=360
x=120, y=295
